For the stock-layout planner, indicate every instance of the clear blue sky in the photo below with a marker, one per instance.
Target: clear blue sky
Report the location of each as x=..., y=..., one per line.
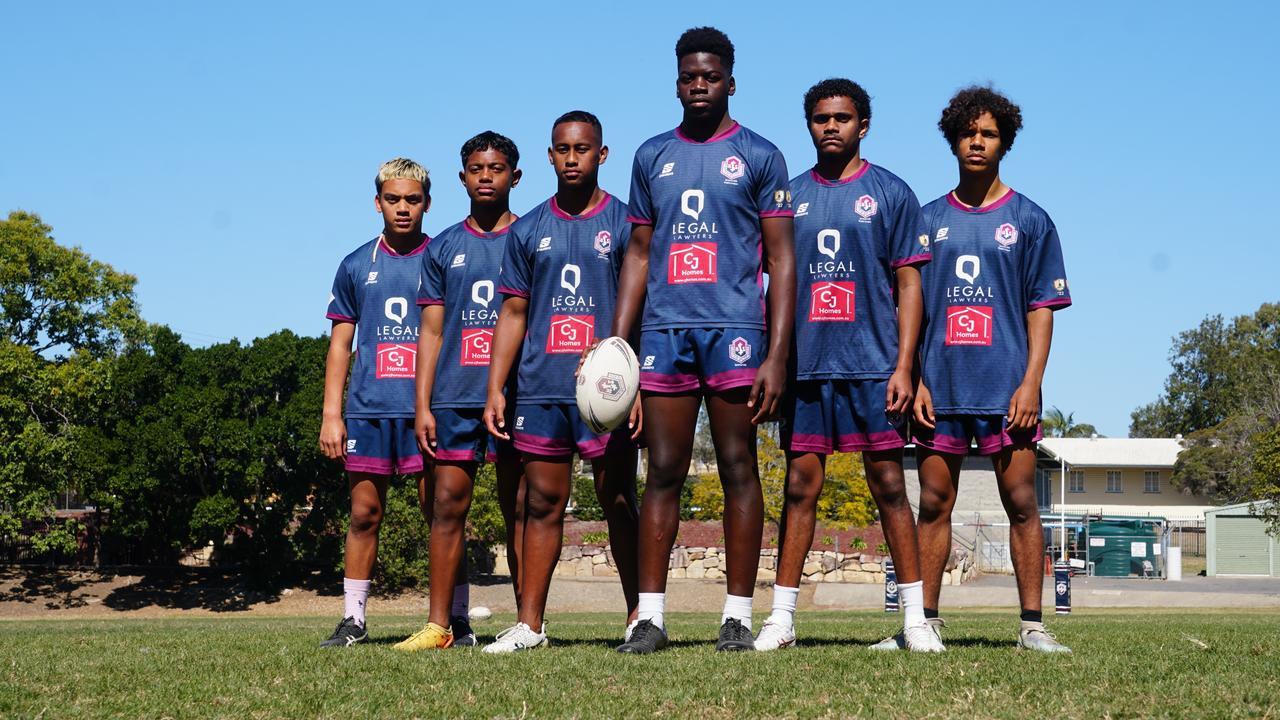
x=224, y=152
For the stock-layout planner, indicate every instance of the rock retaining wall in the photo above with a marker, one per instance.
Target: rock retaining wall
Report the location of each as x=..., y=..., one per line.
x=709, y=563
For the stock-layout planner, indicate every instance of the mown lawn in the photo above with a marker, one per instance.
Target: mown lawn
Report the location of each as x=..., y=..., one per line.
x=1126, y=664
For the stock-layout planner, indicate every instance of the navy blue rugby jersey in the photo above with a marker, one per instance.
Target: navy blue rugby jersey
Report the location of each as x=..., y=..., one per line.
x=705, y=201
x=991, y=266
x=460, y=271
x=567, y=266
x=374, y=288
x=851, y=237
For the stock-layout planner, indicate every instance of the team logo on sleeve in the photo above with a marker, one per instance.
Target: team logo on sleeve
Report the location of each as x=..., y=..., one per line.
x=779, y=197
x=395, y=360
x=969, y=325
x=732, y=168
x=691, y=263
x=603, y=243
x=740, y=350
x=1060, y=284
x=1006, y=236
x=831, y=301
x=865, y=207
x=924, y=241
x=570, y=333
x=476, y=343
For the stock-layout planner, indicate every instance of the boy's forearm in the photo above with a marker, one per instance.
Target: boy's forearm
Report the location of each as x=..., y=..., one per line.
x=1039, y=338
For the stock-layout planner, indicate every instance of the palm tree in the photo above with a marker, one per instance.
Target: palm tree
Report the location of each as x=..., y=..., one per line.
x=1059, y=424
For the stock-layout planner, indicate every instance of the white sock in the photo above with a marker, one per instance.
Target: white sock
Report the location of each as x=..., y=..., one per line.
x=355, y=593
x=651, y=607
x=737, y=607
x=912, y=597
x=784, y=605
x=461, y=600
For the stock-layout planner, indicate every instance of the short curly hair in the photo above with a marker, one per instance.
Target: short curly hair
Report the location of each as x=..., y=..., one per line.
x=838, y=87
x=969, y=103
x=706, y=40
x=490, y=140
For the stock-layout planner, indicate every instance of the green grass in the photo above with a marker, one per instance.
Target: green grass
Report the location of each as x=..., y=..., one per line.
x=1126, y=664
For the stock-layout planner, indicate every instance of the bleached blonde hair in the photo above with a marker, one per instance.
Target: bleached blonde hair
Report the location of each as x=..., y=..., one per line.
x=403, y=169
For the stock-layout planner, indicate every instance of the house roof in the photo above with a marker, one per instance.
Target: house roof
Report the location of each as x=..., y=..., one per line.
x=1113, y=452
x=1245, y=506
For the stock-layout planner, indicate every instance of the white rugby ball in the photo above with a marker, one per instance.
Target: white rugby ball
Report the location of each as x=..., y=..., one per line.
x=480, y=613
x=607, y=385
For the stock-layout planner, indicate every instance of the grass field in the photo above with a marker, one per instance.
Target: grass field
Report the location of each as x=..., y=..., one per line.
x=1126, y=664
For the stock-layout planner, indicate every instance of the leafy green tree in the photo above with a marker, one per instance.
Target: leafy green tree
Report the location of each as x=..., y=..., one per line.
x=1063, y=425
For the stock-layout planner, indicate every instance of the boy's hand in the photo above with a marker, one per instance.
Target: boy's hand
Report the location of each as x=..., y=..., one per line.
x=583, y=357
x=636, y=421
x=495, y=412
x=924, y=406
x=333, y=438
x=897, y=401
x=424, y=430
x=1024, y=408
x=767, y=390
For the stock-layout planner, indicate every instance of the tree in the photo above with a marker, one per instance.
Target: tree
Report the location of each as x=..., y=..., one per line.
x=57, y=299
x=1063, y=425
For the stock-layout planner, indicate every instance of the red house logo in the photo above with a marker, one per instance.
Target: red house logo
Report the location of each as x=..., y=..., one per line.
x=967, y=325
x=475, y=347
x=395, y=361
x=570, y=333
x=691, y=263
x=831, y=302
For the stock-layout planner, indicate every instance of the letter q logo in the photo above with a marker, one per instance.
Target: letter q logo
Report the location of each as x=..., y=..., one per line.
x=692, y=202
x=829, y=242
x=482, y=292
x=968, y=267
x=570, y=277
x=396, y=308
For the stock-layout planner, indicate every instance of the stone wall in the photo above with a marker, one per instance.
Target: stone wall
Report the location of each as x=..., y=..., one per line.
x=709, y=563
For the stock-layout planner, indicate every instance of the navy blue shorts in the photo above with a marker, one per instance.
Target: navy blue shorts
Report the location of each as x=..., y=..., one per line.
x=462, y=437
x=557, y=430
x=826, y=416
x=990, y=433
x=382, y=446
x=684, y=360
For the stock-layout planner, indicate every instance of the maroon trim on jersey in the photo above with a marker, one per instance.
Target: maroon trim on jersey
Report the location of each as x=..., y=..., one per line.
x=714, y=138
x=730, y=379
x=636, y=220
x=813, y=173
x=555, y=209
x=778, y=213
x=673, y=383
x=1057, y=303
x=483, y=235
x=853, y=442
x=339, y=317
x=423, y=302
x=951, y=198
x=913, y=260
x=512, y=291
x=386, y=247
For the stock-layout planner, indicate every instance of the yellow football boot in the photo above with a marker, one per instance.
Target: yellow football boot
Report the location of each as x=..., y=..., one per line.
x=431, y=637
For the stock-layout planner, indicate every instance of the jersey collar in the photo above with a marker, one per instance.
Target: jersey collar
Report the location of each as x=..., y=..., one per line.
x=733, y=129
x=599, y=208
x=385, y=247
x=813, y=172
x=1004, y=200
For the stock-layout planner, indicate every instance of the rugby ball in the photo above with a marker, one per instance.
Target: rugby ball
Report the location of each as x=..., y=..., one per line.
x=480, y=613
x=607, y=385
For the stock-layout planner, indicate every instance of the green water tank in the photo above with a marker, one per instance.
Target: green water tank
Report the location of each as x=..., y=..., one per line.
x=1114, y=546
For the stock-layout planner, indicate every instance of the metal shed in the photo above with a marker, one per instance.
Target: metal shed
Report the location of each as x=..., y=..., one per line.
x=1238, y=543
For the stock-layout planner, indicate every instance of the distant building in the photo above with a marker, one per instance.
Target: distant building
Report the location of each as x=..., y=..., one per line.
x=1114, y=476
x=1239, y=543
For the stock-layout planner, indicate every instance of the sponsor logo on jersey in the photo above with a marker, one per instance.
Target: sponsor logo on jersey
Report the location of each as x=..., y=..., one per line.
x=476, y=343
x=802, y=209
x=968, y=268
x=740, y=350
x=831, y=302
x=829, y=246
x=829, y=242
x=732, y=168
x=373, y=278
x=544, y=244
x=648, y=362
x=459, y=260
x=692, y=204
x=570, y=333
x=351, y=445
x=691, y=263
x=1006, y=236
x=865, y=207
x=396, y=308
x=668, y=169
x=395, y=360
x=611, y=386
x=570, y=278
x=482, y=292
x=969, y=325
x=520, y=422
x=603, y=243
x=942, y=234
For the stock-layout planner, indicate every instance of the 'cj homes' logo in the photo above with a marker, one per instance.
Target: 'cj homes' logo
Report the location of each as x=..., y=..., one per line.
x=1006, y=236
x=969, y=325
x=603, y=243
x=475, y=347
x=611, y=387
x=395, y=360
x=570, y=333
x=865, y=207
x=740, y=350
x=691, y=263
x=732, y=168
x=831, y=302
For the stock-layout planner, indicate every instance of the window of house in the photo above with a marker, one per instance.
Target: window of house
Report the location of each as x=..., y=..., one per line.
x=1114, y=482
x=1151, y=481
x=1075, y=481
